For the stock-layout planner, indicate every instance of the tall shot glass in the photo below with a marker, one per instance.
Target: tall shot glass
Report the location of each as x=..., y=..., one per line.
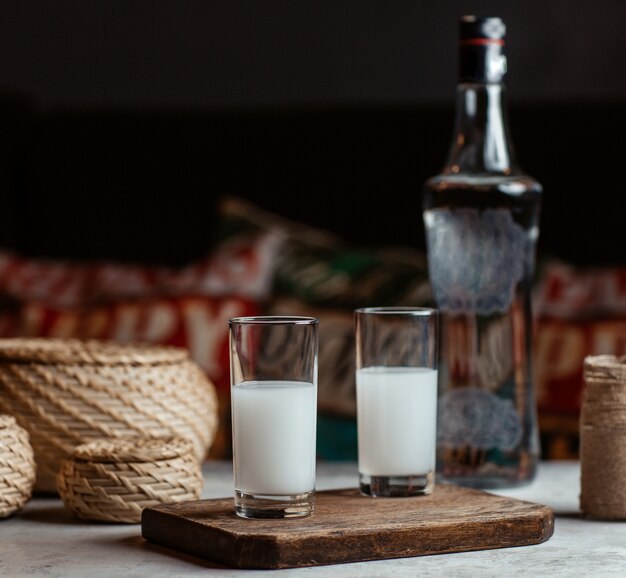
x=273, y=367
x=396, y=384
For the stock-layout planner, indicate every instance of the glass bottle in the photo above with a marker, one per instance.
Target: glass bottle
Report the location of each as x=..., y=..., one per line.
x=481, y=215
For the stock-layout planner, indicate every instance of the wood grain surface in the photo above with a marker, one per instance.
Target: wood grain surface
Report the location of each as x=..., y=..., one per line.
x=349, y=527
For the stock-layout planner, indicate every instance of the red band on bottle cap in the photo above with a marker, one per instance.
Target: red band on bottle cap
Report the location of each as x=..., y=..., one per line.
x=482, y=41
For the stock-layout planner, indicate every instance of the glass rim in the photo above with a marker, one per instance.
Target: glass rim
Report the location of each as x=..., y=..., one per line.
x=398, y=310
x=274, y=320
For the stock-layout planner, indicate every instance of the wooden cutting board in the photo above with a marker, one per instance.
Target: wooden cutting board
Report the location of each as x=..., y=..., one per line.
x=349, y=527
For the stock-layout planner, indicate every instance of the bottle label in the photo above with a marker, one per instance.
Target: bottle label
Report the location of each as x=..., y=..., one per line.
x=478, y=419
x=475, y=259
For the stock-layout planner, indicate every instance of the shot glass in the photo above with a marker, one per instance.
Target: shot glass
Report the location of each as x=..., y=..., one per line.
x=396, y=386
x=273, y=368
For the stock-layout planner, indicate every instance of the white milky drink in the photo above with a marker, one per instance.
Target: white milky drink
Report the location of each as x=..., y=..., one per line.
x=397, y=420
x=274, y=437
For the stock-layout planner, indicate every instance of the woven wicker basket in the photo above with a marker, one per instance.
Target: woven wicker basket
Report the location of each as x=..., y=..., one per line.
x=17, y=466
x=113, y=481
x=69, y=392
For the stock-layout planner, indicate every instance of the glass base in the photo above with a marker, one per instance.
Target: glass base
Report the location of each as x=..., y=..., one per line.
x=483, y=482
x=488, y=474
x=249, y=505
x=397, y=486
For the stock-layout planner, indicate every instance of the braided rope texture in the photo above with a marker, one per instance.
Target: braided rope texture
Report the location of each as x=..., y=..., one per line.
x=17, y=466
x=113, y=481
x=69, y=392
x=603, y=438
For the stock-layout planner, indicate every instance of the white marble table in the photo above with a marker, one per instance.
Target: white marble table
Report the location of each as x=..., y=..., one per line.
x=45, y=540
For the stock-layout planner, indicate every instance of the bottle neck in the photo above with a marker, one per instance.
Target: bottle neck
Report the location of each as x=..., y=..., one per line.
x=481, y=143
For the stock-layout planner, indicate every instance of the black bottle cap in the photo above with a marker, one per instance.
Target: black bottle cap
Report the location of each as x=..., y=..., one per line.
x=474, y=28
x=481, y=49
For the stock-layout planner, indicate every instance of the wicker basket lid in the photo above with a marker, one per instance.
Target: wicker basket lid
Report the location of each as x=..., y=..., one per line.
x=133, y=450
x=92, y=352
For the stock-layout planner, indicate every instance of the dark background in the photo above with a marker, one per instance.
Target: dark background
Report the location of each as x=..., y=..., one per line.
x=122, y=122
